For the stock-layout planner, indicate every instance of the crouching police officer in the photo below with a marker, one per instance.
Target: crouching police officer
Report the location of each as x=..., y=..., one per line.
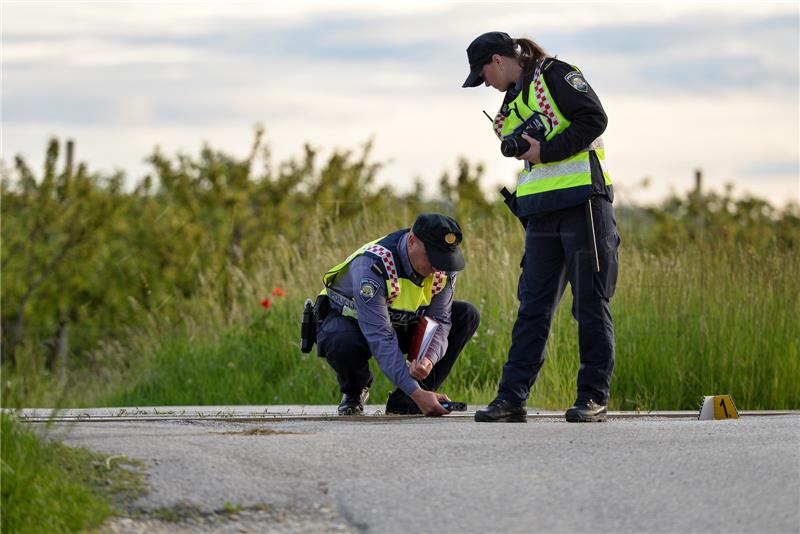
x=376, y=297
x=552, y=119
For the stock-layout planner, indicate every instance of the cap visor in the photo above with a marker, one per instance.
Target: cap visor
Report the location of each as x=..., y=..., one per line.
x=445, y=260
x=473, y=80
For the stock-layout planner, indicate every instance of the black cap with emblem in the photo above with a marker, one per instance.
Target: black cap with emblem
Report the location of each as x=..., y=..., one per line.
x=480, y=52
x=441, y=236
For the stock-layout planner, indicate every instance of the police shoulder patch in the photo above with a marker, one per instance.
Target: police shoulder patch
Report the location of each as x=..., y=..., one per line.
x=369, y=288
x=575, y=79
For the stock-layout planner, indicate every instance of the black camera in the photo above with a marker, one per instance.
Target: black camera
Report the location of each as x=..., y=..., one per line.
x=514, y=145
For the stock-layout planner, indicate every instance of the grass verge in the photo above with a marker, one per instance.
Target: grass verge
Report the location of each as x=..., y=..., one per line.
x=48, y=487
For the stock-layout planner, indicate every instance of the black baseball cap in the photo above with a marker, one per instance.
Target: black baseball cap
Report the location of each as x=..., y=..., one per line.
x=441, y=236
x=480, y=52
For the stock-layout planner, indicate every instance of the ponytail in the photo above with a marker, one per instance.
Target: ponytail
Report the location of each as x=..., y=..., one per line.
x=528, y=54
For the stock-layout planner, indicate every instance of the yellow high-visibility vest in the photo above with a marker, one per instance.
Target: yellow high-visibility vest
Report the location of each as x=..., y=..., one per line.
x=549, y=184
x=406, y=300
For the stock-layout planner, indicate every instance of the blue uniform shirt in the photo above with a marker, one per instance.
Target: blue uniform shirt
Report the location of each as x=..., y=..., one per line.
x=374, y=322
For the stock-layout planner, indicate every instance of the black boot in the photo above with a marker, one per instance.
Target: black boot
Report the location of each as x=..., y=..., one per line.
x=586, y=412
x=353, y=404
x=502, y=411
x=401, y=404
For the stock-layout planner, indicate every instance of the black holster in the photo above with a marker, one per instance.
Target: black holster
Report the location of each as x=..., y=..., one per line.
x=322, y=307
x=313, y=315
x=308, y=328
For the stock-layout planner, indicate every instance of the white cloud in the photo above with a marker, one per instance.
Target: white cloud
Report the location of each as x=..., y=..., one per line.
x=88, y=52
x=121, y=78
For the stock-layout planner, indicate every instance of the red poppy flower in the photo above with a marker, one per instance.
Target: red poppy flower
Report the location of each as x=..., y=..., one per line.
x=278, y=292
x=266, y=304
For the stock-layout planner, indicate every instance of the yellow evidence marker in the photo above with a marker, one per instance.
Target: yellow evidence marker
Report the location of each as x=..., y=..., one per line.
x=718, y=407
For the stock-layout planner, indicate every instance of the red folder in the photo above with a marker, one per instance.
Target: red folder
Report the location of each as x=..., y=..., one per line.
x=423, y=336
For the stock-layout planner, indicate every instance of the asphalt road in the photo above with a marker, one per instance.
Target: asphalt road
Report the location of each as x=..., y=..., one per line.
x=453, y=475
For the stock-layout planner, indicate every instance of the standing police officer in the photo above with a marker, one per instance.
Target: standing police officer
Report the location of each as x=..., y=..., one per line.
x=376, y=297
x=563, y=197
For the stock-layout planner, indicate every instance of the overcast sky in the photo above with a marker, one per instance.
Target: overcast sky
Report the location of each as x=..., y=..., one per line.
x=710, y=85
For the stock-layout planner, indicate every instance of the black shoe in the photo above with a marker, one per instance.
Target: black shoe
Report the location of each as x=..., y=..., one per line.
x=502, y=411
x=401, y=404
x=353, y=404
x=586, y=412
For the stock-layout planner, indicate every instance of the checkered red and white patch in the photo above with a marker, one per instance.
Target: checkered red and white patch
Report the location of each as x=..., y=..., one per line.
x=388, y=262
x=497, y=125
x=439, y=281
x=541, y=96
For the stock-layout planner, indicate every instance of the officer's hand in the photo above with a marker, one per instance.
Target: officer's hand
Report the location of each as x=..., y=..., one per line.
x=420, y=370
x=428, y=402
x=534, y=152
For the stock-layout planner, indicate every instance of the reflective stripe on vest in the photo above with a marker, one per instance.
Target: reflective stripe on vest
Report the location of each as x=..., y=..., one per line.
x=571, y=172
x=574, y=171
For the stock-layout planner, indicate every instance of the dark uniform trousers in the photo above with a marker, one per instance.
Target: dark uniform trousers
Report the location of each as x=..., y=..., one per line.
x=341, y=342
x=558, y=249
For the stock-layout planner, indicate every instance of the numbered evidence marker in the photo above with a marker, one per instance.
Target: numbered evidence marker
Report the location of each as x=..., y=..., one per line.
x=718, y=407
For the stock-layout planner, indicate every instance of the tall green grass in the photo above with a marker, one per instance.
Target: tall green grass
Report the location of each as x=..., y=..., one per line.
x=47, y=487
x=707, y=319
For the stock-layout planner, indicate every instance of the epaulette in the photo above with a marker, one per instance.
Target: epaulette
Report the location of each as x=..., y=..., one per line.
x=548, y=62
x=377, y=269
